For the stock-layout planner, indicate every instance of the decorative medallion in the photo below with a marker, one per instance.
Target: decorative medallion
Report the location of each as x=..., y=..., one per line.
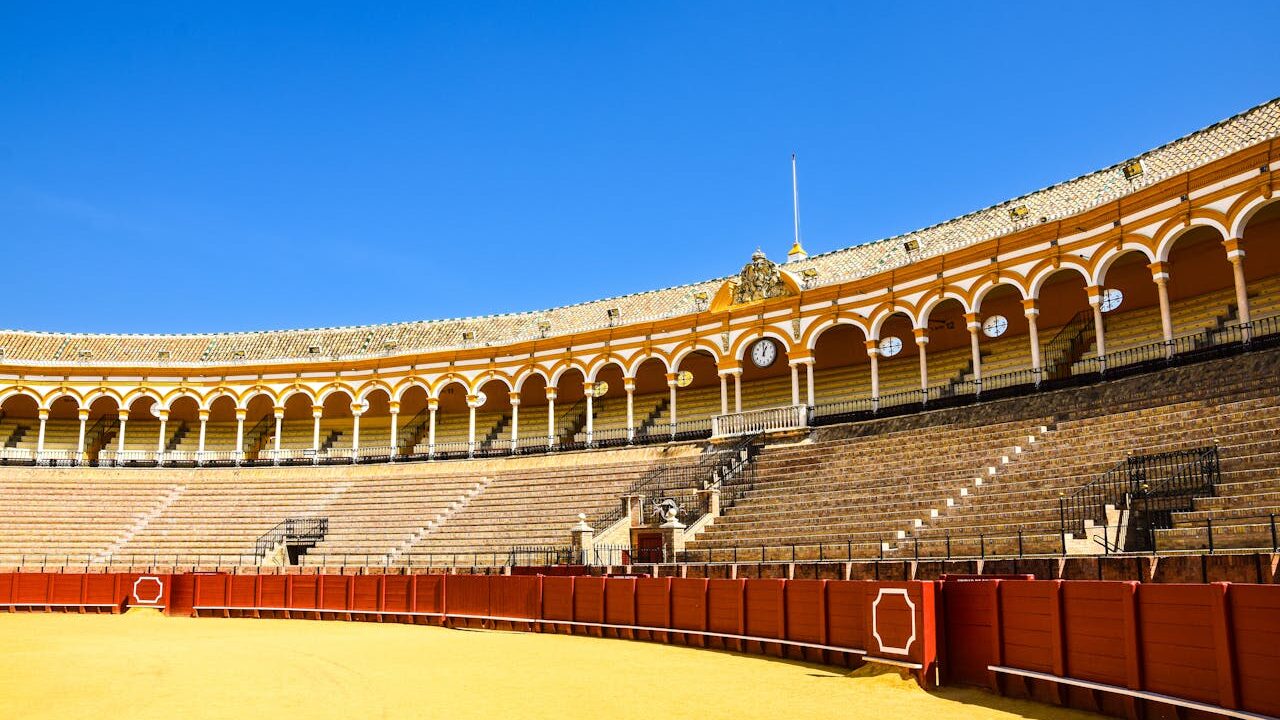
x=760, y=279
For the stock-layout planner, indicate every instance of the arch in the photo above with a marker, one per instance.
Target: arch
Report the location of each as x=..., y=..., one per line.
x=177, y=394
x=600, y=363
x=1048, y=268
x=363, y=391
x=990, y=283
x=247, y=396
x=444, y=381
x=335, y=387
x=1170, y=232
x=62, y=392
x=98, y=393
x=24, y=399
x=407, y=384
x=1243, y=213
x=737, y=351
x=1103, y=262
x=814, y=333
x=296, y=389
x=529, y=372
x=564, y=366
x=21, y=390
x=490, y=376
x=882, y=315
x=936, y=298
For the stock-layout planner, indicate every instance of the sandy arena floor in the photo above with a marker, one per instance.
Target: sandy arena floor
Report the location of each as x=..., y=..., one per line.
x=142, y=666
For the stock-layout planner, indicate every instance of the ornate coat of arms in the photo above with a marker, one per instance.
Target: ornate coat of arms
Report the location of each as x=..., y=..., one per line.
x=759, y=280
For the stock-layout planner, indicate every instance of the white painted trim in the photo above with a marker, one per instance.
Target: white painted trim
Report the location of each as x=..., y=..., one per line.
x=1140, y=694
x=875, y=616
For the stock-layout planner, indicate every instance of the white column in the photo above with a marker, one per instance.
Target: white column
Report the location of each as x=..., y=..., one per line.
x=432, y=405
x=737, y=391
x=357, y=409
x=795, y=384
x=922, y=341
x=240, y=415
x=808, y=381
x=204, y=423
x=317, y=411
x=472, y=401
x=1235, y=254
x=724, y=394
x=124, y=419
x=671, y=407
x=873, y=352
x=44, y=416
x=279, y=417
x=395, y=429
x=588, y=391
x=551, y=417
x=84, y=416
x=1099, y=334
x=515, y=420
x=629, y=384
x=971, y=321
x=1030, y=310
x=164, y=422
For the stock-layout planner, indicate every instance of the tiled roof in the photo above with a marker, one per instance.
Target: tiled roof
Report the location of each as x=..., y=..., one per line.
x=1064, y=199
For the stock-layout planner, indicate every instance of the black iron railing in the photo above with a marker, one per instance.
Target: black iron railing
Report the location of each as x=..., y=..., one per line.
x=293, y=531
x=1150, y=486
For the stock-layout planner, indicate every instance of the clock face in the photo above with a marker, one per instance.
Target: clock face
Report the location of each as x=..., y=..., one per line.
x=995, y=326
x=1111, y=299
x=764, y=353
x=599, y=389
x=890, y=346
x=684, y=378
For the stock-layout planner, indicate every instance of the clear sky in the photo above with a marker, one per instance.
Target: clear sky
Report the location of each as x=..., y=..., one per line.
x=183, y=167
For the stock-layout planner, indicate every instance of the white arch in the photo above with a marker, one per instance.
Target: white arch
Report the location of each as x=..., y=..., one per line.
x=25, y=392
x=1049, y=271
x=595, y=372
x=927, y=309
x=331, y=389
x=1165, y=245
x=749, y=339
x=822, y=327
x=168, y=405
x=1246, y=214
x=485, y=380
x=877, y=322
x=980, y=294
x=412, y=382
x=532, y=371
x=1108, y=258
x=560, y=371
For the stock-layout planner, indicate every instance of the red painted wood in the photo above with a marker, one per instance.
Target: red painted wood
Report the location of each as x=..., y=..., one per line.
x=517, y=596
x=557, y=598
x=1255, y=635
x=726, y=606
x=766, y=608
x=806, y=620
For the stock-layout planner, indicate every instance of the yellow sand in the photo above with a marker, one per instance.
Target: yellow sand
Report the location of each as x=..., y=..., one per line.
x=143, y=665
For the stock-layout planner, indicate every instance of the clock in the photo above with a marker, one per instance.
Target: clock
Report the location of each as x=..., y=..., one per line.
x=684, y=379
x=995, y=326
x=764, y=353
x=890, y=346
x=1111, y=299
x=599, y=389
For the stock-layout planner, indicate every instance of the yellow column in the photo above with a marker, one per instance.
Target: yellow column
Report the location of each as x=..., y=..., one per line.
x=1160, y=276
x=671, y=407
x=514, y=397
x=922, y=340
x=551, y=417
x=971, y=322
x=1235, y=254
x=1099, y=329
x=873, y=352
x=1031, y=312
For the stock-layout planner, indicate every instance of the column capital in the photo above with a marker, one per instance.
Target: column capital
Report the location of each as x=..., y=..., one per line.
x=317, y=411
x=1095, y=294
x=1234, y=247
x=629, y=384
x=357, y=409
x=122, y=415
x=433, y=403
x=922, y=335
x=731, y=372
x=972, y=322
x=1031, y=307
x=203, y=415
x=42, y=413
x=242, y=412
x=83, y=414
x=473, y=401
x=873, y=348
x=394, y=407
x=514, y=397
x=163, y=415
x=1159, y=271
x=801, y=361
x=551, y=393
x=588, y=386
x=672, y=379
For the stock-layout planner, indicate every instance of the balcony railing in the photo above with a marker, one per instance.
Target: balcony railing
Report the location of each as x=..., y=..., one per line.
x=754, y=422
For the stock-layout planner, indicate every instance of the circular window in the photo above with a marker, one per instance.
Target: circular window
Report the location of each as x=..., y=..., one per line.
x=1111, y=299
x=890, y=346
x=684, y=378
x=599, y=389
x=995, y=326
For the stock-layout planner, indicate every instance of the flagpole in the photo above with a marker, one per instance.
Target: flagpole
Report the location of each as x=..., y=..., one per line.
x=795, y=197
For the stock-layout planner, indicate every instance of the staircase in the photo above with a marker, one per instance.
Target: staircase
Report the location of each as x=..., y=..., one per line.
x=169, y=498
x=421, y=534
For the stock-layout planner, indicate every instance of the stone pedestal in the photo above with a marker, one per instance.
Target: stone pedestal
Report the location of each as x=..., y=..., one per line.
x=672, y=539
x=710, y=499
x=581, y=537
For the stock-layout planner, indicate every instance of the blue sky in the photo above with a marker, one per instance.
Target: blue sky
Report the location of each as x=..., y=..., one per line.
x=177, y=167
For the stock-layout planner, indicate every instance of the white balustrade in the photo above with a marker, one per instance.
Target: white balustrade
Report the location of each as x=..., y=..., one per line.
x=778, y=419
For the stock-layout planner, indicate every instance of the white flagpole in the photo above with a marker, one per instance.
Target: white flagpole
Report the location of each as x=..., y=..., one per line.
x=795, y=197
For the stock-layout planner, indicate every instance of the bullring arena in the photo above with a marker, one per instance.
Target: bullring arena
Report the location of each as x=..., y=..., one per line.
x=1020, y=463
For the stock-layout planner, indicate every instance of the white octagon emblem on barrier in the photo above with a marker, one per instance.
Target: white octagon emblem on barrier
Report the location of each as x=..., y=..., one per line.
x=144, y=586
x=875, y=619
